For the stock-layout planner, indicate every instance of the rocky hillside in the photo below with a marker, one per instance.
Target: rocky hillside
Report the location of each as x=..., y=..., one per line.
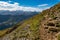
x=43, y=26
x=50, y=25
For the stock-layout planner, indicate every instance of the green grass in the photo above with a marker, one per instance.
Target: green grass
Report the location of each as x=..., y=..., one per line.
x=59, y=37
x=33, y=30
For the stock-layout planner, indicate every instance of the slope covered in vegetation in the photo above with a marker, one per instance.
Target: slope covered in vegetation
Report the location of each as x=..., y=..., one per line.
x=26, y=30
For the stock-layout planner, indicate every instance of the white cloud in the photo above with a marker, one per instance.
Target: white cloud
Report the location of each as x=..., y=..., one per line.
x=42, y=5
x=16, y=6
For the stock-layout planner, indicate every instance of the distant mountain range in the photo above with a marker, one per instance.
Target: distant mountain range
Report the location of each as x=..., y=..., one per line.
x=10, y=18
x=19, y=12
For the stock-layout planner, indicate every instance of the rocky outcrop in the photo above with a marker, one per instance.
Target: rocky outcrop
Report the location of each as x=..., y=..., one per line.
x=50, y=26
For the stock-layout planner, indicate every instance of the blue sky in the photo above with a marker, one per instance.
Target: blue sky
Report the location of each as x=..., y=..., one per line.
x=33, y=5
x=34, y=2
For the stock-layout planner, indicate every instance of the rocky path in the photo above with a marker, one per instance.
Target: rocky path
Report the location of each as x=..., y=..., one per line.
x=45, y=34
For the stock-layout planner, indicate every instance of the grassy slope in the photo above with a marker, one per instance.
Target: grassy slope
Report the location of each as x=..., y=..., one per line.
x=33, y=24
x=28, y=29
x=3, y=32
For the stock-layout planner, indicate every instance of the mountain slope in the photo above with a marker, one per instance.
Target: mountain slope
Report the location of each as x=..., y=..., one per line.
x=26, y=30
x=50, y=25
x=43, y=26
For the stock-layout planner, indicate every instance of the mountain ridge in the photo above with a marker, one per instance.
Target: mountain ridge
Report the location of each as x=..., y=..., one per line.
x=43, y=26
x=6, y=12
